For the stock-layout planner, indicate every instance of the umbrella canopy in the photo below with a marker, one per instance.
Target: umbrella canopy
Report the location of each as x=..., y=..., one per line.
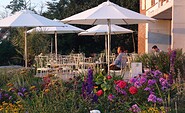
x=27, y=18
x=65, y=28
x=103, y=30
x=108, y=13
x=107, y=10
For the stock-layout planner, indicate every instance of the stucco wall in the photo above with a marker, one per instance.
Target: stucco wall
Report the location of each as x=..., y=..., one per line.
x=159, y=33
x=178, y=24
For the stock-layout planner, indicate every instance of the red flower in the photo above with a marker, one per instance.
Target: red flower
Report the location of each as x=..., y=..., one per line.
x=99, y=93
x=46, y=80
x=133, y=90
x=121, y=83
x=109, y=77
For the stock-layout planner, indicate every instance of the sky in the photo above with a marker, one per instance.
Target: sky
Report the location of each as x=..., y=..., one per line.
x=37, y=3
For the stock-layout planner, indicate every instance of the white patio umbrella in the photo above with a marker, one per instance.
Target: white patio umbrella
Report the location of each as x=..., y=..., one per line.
x=108, y=13
x=26, y=18
x=103, y=30
x=65, y=28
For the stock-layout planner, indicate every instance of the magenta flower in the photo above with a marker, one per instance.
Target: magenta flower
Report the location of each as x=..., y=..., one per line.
x=151, y=82
x=164, y=83
x=157, y=73
x=135, y=109
x=143, y=80
x=137, y=84
x=133, y=80
x=147, y=89
x=111, y=97
x=152, y=98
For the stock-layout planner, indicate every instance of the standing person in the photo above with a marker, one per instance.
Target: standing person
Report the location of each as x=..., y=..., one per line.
x=119, y=62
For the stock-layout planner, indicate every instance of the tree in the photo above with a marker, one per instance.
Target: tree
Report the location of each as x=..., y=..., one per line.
x=7, y=52
x=37, y=43
x=16, y=5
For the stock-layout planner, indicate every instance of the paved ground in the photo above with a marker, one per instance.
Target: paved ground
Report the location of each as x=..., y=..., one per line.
x=12, y=66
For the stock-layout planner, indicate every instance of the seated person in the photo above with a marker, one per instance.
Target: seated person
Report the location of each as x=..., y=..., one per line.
x=156, y=50
x=119, y=62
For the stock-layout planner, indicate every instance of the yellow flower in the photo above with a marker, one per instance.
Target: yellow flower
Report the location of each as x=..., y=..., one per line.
x=95, y=87
x=11, y=105
x=46, y=90
x=18, y=102
x=5, y=104
x=10, y=89
x=20, y=106
x=32, y=87
x=1, y=108
x=9, y=84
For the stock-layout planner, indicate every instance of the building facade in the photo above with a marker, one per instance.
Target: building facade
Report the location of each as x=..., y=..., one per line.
x=169, y=29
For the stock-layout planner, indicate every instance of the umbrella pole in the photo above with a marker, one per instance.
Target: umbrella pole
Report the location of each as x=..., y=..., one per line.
x=106, y=48
x=56, y=45
x=109, y=37
x=25, y=47
x=51, y=45
x=134, y=43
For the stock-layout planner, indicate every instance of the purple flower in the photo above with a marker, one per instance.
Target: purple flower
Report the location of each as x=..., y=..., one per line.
x=143, y=80
x=147, y=89
x=23, y=90
x=0, y=96
x=164, y=88
x=6, y=95
x=87, y=86
x=157, y=73
x=170, y=79
x=137, y=84
x=164, y=83
x=20, y=94
x=172, y=61
x=90, y=81
x=10, y=97
x=121, y=91
x=152, y=98
x=159, y=100
x=95, y=98
x=111, y=97
x=161, y=80
x=133, y=80
x=135, y=109
x=151, y=82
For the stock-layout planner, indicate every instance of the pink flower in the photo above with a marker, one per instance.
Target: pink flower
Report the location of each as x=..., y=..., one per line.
x=133, y=90
x=99, y=92
x=109, y=77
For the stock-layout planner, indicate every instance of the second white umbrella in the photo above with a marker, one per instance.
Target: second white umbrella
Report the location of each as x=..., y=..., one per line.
x=65, y=28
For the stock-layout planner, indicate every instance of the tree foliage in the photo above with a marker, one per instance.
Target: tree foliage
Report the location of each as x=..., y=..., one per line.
x=16, y=5
x=37, y=43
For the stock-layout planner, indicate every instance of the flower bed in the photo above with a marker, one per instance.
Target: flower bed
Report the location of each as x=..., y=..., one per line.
x=153, y=91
